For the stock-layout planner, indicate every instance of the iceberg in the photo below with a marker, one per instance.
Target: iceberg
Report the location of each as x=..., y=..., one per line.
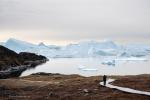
x=109, y=62
x=84, y=68
x=113, y=62
x=89, y=69
x=81, y=50
x=131, y=59
x=2, y=43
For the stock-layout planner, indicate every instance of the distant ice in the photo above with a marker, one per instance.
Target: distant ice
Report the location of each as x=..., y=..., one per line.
x=82, y=50
x=114, y=61
x=109, y=62
x=84, y=68
x=89, y=69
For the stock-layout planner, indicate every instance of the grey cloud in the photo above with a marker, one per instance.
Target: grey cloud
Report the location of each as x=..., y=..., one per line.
x=76, y=19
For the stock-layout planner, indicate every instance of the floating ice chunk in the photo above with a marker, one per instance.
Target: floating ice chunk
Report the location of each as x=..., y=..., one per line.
x=89, y=69
x=81, y=67
x=113, y=62
x=109, y=62
x=84, y=68
x=131, y=59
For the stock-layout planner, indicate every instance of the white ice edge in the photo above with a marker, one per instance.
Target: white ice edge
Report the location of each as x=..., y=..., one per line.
x=124, y=88
x=89, y=69
x=84, y=68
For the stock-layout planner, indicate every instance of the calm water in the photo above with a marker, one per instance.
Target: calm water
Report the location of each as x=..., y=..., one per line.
x=71, y=66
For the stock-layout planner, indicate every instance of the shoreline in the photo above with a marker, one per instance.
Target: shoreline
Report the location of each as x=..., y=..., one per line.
x=17, y=71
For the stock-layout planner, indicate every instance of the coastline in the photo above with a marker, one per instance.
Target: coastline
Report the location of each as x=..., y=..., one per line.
x=17, y=71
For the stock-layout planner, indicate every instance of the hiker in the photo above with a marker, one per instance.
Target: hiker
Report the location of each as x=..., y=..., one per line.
x=104, y=79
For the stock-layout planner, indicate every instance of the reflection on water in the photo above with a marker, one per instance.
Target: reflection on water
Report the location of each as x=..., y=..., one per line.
x=72, y=66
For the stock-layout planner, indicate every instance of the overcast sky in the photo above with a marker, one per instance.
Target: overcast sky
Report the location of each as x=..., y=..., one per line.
x=64, y=21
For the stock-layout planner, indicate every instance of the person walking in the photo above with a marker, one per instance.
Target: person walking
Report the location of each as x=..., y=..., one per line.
x=104, y=79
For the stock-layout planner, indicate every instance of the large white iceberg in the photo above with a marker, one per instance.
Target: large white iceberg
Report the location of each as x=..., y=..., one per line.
x=80, y=50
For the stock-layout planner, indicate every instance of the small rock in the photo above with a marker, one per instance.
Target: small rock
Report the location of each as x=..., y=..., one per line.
x=50, y=94
x=86, y=94
x=95, y=89
x=86, y=90
x=79, y=89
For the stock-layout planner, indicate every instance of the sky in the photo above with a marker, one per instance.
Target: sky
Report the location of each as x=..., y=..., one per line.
x=65, y=21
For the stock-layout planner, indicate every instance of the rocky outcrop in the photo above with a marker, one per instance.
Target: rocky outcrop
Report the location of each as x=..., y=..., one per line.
x=13, y=64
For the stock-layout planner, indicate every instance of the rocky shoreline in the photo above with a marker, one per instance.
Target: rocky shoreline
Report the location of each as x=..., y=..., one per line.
x=12, y=64
x=17, y=71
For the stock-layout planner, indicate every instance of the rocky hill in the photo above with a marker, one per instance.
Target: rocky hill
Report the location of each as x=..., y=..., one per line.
x=11, y=60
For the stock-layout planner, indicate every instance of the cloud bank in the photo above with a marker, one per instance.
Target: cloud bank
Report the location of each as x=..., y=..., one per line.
x=73, y=20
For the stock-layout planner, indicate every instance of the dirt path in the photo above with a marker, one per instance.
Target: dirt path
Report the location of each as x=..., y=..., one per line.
x=124, y=88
